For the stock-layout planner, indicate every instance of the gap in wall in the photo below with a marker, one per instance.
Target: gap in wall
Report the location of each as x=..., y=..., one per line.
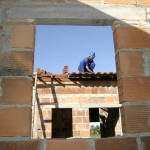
x=57, y=46
x=103, y=122
x=62, y=123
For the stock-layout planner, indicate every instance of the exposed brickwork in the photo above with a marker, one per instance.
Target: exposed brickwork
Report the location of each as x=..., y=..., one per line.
x=81, y=123
x=116, y=144
x=145, y=142
x=15, y=121
x=128, y=2
x=144, y=2
x=65, y=70
x=95, y=87
x=21, y=33
x=19, y=36
x=44, y=123
x=134, y=89
x=129, y=37
x=16, y=63
x=11, y=86
x=120, y=1
x=20, y=145
x=1, y=27
x=123, y=143
x=136, y=119
x=67, y=145
x=129, y=63
x=86, y=92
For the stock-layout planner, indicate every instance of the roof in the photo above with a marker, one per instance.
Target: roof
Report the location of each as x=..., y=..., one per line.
x=42, y=74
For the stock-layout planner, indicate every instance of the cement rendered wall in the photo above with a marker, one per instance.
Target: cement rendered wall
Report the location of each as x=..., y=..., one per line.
x=130, y=22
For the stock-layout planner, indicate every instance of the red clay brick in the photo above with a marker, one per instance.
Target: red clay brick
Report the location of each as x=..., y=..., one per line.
x=81, y=113
x=67, y=144
x=16, y=63
x=15, y=121
x=22, y=36
x=77, y=119
x=20, y=145
x=1, y=27
x=135, y=89
x=116, y=144
x=89, y=87
x=85, y=133
x=128, y=37
x=135, y=119
x=143, y=2
x=129, y=63
x=82, y=126
x=120, y=1
x=145, y=142
x=16, y=91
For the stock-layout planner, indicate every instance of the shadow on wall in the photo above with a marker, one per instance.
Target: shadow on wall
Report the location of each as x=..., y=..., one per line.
x=128, y=40
x=128, y=43
x=74, y=13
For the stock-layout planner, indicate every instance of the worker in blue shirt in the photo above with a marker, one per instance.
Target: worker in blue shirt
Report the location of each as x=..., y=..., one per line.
x=87, y=64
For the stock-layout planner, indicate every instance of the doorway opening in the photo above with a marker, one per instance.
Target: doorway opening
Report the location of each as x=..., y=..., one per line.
x=61, y=122
x=104, y=122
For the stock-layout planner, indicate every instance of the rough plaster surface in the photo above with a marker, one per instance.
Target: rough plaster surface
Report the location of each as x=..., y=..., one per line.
x=1, y=90
x=148, y=14
x=4, y=41
x=146, y=65
x=70, y=14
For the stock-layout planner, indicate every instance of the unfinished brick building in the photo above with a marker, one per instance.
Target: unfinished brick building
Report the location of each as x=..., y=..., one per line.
x=131, y=30
x=65, y=104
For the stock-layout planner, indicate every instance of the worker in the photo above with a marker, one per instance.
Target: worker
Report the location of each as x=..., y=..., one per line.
x=87, y=64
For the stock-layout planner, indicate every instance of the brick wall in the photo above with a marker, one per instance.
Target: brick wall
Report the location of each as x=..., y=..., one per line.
x=132, y=44
x=128, y=2
x=79, y=97
x=16, y=57
x=16, y=67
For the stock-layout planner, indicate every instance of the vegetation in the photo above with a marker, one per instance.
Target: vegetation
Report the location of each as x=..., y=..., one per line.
x=95, y=131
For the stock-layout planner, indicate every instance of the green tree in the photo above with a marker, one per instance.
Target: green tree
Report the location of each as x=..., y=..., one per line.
x=95, y=131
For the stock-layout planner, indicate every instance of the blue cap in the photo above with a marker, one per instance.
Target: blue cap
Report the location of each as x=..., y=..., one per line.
x=92, y=54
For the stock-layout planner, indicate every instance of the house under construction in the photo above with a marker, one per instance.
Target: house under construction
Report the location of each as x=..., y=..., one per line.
x=65, y=104
x=71, y=102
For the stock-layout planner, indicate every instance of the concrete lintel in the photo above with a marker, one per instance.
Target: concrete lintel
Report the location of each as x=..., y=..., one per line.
x=131, y=23
x=77, y=95
x=135, y=104
x=15, y=105
x=136, y=134
x=79, y=105
x=15, y=138
x=16, y=77
x=76, y=15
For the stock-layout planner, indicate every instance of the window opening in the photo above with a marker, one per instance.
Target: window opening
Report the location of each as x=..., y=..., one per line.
x=61, y=123
x=57, y=46
x=104, y=122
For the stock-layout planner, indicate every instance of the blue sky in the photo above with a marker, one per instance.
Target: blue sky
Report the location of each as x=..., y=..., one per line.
x=57, y=46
